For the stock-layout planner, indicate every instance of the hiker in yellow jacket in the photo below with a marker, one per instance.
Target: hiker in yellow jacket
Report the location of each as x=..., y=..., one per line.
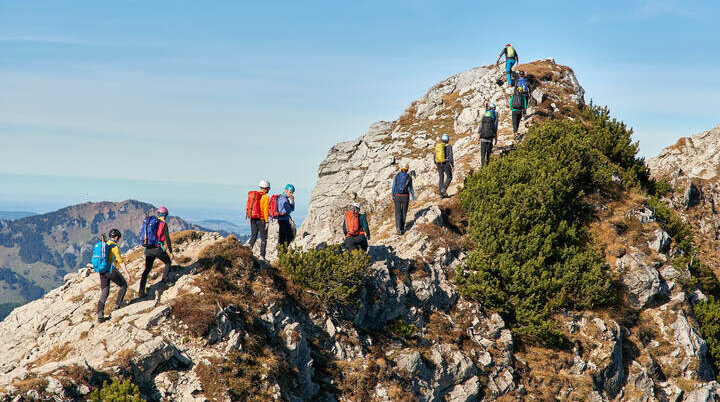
x=112, y=275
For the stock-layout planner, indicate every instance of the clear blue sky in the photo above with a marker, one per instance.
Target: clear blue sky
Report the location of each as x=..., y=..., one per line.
x=154, y=97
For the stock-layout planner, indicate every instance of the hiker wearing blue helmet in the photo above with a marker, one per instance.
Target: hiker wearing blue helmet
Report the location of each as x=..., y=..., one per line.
x=444, y=164
x=285, y=206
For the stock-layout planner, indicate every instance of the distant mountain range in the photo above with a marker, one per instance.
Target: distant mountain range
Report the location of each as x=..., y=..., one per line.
x=12, y=215
x=221, y=225
x=37, y=251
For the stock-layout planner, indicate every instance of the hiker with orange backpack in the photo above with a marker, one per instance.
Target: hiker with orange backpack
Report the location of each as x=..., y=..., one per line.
x=256, y=210
x=356, y=230
x=511, y=59
x=105, y=255
x=155, y=237
x=281, y=206
x=402, y=190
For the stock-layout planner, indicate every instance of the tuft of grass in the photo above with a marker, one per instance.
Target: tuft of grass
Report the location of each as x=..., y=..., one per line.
x=33, y=383
x=56, y=354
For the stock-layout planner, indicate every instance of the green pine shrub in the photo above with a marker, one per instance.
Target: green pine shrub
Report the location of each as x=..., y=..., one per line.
x=117, y=391
x=528, y=217
x=400, y=328
x=708, y=315
x=334, y=275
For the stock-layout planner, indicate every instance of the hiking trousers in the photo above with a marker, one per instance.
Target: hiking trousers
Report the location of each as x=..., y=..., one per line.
x=516, y=116
x=401, y=207
x=444, y=176
x=285, y=232
x=258, y=227
x=358, y=242
x=150, y=255
x=486, y=147
x=509, y=63
x=111, y=276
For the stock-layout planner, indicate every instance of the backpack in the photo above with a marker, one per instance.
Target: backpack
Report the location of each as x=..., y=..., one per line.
x=101, y=252
x=487, y=127
x=152, y=232
x=440, y=152
x=252, y=208
x=273, y=207
x=352, y=223
x=510, y=52
x=517, y=100
x=402, y=181
x=522, y=83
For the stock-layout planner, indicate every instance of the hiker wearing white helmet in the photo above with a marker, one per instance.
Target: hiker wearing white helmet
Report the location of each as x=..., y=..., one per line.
x=488, y=133
x=444, y=164
x=257, y=208
x=402, y=190
x=356, y=230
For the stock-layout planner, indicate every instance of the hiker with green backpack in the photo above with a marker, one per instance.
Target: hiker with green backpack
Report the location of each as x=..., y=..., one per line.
x=444, y=164
x=356, y=230
x=106, y=255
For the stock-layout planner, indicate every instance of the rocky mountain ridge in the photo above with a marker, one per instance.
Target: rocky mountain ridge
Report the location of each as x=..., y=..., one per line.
x=410, y=336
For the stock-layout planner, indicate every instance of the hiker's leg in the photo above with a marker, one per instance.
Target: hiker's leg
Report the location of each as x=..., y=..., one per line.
x=104, y=291
x=441, y=173
x=119, y=280
x=404, y=208
x=263, y=232
x=164, y=257
x=398, y=210
x=347, y=244
x=509, y=63
x=448, y=177
x=363, y=243
x=149, y=261
x=516, y=120
x=254, y=229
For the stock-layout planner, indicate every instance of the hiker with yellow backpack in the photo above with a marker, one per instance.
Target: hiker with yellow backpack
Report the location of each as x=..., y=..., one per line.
x=518, y=106
x=256, y=210
x=356, y=230
x=511, y=59
x=444, y=164
x=106, y=255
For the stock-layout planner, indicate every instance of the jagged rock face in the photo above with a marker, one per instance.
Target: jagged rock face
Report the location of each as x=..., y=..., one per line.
x=361, y=170
x=697, y=156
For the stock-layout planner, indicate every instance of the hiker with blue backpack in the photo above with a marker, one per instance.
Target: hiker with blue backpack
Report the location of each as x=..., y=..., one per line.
x=511, y=59
x=281, y=206
x=518, y=106
x=402, y=190
x=106, y=255
x=155, y=237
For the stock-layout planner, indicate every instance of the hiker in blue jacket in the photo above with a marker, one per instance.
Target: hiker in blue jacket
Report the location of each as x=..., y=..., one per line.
x=285, y=206
x=402, y=190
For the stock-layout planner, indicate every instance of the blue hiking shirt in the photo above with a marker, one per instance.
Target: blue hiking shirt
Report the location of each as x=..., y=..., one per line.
x=409, y=190
x=285, y=207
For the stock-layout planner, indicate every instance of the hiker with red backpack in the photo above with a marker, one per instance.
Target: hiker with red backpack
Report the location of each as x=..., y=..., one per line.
x=402, y=190
x=106, y=255
x=257, y=211
x=155, y=237
x=511, y=59
x=281, y=206
x=356, y=230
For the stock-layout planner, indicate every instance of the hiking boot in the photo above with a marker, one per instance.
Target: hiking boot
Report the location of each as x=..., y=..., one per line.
x=103, y=319
x=122, y=304
x=142, y=294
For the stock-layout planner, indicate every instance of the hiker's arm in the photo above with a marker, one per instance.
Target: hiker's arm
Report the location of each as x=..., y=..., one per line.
x=501, y=54
x=124, y=268
x=364, y=223
x=344, y=228
x=412, y=190
x=118, y=258
x=392, y=189
x=168, y=242
x=450, y=158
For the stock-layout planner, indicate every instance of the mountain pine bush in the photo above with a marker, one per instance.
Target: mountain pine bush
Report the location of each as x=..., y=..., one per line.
x=528, y=218
x=334, y=275
x=117, y=391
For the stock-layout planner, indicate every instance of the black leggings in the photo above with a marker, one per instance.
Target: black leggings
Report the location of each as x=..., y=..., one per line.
x=258, y=228
x=358, y=242
x=150, y=255
x=112, y=276
x=285, y=232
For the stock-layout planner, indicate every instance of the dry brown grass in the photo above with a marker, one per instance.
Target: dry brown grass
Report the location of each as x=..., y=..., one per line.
x=196, y=312
x=185, y=236
x=31, y=384
x=56, y=354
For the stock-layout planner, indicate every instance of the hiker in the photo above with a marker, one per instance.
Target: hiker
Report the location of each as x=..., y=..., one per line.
x=522, y=82
x=488, y=133
x=356, y=230
x=511, y=58
x=402, y=191
x=285, y=205
x=444, y=164
x=155, y=237
x=105, y=257
x=257, y=211
x=518, y=106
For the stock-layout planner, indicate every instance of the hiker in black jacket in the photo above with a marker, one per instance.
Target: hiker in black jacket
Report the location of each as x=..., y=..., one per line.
x=488, y=134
